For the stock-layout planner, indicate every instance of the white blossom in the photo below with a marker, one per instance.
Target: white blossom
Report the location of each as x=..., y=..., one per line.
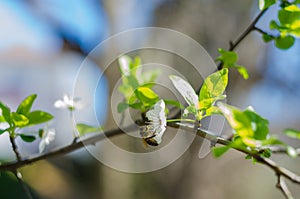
x=69, y=103
x=48, y=136
x=158, y=120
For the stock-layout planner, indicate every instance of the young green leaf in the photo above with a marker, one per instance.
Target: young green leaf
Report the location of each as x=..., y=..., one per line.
x=6, y=113
x=186, y=90
x=84, y=129
x=267, y=37
x=228, y=58
x=19, y=120
x=219, y=151
x=27, y=138
x=259, y=125
x=284, y=42
x=213, y=87
x=237, y=120
x=243, y=71
x=26, y=104
x=292, y=133
x=264, y=4
x=146, y=95
x=37, y=117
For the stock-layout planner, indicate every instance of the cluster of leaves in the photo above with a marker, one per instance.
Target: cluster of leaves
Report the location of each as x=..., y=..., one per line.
x=229, y=60
x=212, y=90
x=21, y=118
x=136, y=87
x=251, y=133
x=288, y=23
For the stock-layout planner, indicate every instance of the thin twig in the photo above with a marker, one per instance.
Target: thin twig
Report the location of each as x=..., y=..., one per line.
x=15, y=148
x=15, y=171
x=281, y=184
x=278, y=150
x=244, y=34
x=67, y=149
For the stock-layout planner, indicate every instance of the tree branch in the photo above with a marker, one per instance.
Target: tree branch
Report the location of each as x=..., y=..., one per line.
x=283, y=187
x=249, y=29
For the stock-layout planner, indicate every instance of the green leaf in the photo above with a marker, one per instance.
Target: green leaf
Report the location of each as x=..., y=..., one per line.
x=37, y=117
x=6, y=113
x=274, y=25
x=219, y=151
x=3, y=131
x=84, y=129
x=174, y=103
x=207, y=103
x=284, y=42
x=214, y=86
x=27, y=138
x=189, y=110
x=122, y=106
x=212, y=111
x=289, y=15
x=267, y=37
x=292, y=133
x=259, y=125
x=291, y=152
x=19, y=120
x=264, y=4
x=237, y=120
x=146, y=95
x=267, y=153
x=228, y=58
x=243, y=71
x=26, y=104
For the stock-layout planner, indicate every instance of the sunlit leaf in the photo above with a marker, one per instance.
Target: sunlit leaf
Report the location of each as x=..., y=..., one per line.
x=6, y=113
x=228, y=58
x=26, y=104
x=146, y=95
x=84, y=129
x=237, y=120
x=259, y=125
x=37, y=117
x=213, y=87
x=243, y=71
x=19, y=120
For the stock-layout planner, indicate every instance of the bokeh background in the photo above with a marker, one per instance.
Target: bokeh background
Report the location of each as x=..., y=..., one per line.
x=42, y=45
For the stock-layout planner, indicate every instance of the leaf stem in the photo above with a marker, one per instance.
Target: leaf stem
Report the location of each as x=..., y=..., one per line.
x=181, y=120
